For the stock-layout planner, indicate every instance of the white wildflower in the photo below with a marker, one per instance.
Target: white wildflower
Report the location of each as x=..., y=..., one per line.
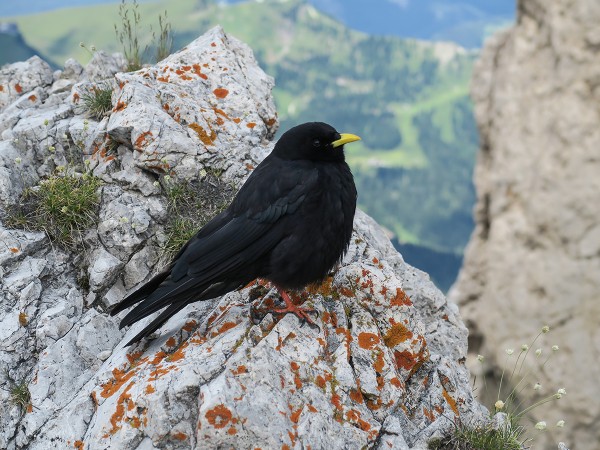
x=555, y=348
x=545, y=329
x=524, y=347
x=509, y=351
x=537, y=386
x=480, y=358
x=499, y=405
x=538, y=352
x=540, y=425
x=560, y=423
x=18, y=160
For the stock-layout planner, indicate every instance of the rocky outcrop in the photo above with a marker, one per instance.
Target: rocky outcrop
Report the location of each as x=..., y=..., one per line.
x=534, y=257
x=384, y=369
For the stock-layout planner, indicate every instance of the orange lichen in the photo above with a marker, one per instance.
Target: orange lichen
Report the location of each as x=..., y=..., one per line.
x=189, y=326
x=396, y=334
x=180, y=436
x=356, y=396
x=119, y=414
x=207, y=139
x=250, y=125
x=379, y=362
x=336, y=401
x=368, y=341
x=429, y=414
x=294, y=365
x=14, y=250
x=179, y=353
x=320, y=381
x=119, y=106
x=120, y=378
x=396, y=382
x=135, y=422
x=311, y=408
x=150, y=389
x=346, y=292
x=219, y=416
x=32, y=98
x=240, y=370
x=271, y=121
x=226, y=326
x=221, y=112
x=23, y=319
x=237, y=120
x=133, y=357
x=221, y=93
x=1, y=88
x=76, y=97
x=18, y=88
x=400, y=298
x=450, y=401
x=141, y=140
x=171, y=341
x=295, y=415
x=78, y=445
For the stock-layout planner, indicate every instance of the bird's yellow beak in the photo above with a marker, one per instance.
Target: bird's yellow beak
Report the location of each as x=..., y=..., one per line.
x=345, y=139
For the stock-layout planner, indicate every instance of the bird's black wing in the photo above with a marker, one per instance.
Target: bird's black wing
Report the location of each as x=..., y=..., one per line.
x=227, y=245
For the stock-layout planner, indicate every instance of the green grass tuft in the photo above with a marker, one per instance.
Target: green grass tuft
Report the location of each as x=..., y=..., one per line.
x=98, y=102
x=20, y=395
x=64, y=205
x=509, y=436
x=190, y=206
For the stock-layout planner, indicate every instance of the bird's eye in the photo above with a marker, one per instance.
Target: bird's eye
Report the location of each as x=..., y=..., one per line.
x=316, y=143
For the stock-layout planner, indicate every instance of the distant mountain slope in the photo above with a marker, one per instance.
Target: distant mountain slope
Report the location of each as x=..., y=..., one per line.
x=12, y=45
x=407, y=99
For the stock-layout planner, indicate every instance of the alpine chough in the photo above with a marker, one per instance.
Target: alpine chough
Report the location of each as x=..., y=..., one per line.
x=290, y=223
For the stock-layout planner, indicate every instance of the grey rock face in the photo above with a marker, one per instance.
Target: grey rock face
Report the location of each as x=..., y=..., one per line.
x=384, y=370
x=534, y=257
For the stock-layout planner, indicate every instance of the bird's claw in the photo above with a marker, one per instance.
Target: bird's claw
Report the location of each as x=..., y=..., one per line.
x=301, y=313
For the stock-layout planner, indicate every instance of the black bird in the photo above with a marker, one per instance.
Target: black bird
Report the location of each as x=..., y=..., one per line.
x=290, y=223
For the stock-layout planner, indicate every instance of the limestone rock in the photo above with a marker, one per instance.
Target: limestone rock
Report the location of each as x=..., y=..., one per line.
x=534, y=256
x=384, y=369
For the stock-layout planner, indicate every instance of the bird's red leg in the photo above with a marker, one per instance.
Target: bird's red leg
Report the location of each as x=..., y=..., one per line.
x=290, y=307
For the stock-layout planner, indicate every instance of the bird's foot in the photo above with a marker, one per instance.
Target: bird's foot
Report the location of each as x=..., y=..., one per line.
x=298, y=311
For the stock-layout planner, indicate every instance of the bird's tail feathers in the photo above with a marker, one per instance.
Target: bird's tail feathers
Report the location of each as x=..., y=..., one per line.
x=142, y=293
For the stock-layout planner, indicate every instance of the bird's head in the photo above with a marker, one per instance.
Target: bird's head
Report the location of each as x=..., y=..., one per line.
x=314, y=141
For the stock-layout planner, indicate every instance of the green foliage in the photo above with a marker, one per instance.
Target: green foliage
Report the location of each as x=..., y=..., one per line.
x=98, y=102
x=127, y=34
x=20, y=395
x=63, y=205
x=164, y=41
x=508, y=436
x=191, y=204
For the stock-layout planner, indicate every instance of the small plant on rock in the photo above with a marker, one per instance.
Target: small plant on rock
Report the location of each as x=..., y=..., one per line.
x=63, y=205
x=98, y=102
x=507, y=433
x=191, y=204
x=128, y=35
x=20, y=395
